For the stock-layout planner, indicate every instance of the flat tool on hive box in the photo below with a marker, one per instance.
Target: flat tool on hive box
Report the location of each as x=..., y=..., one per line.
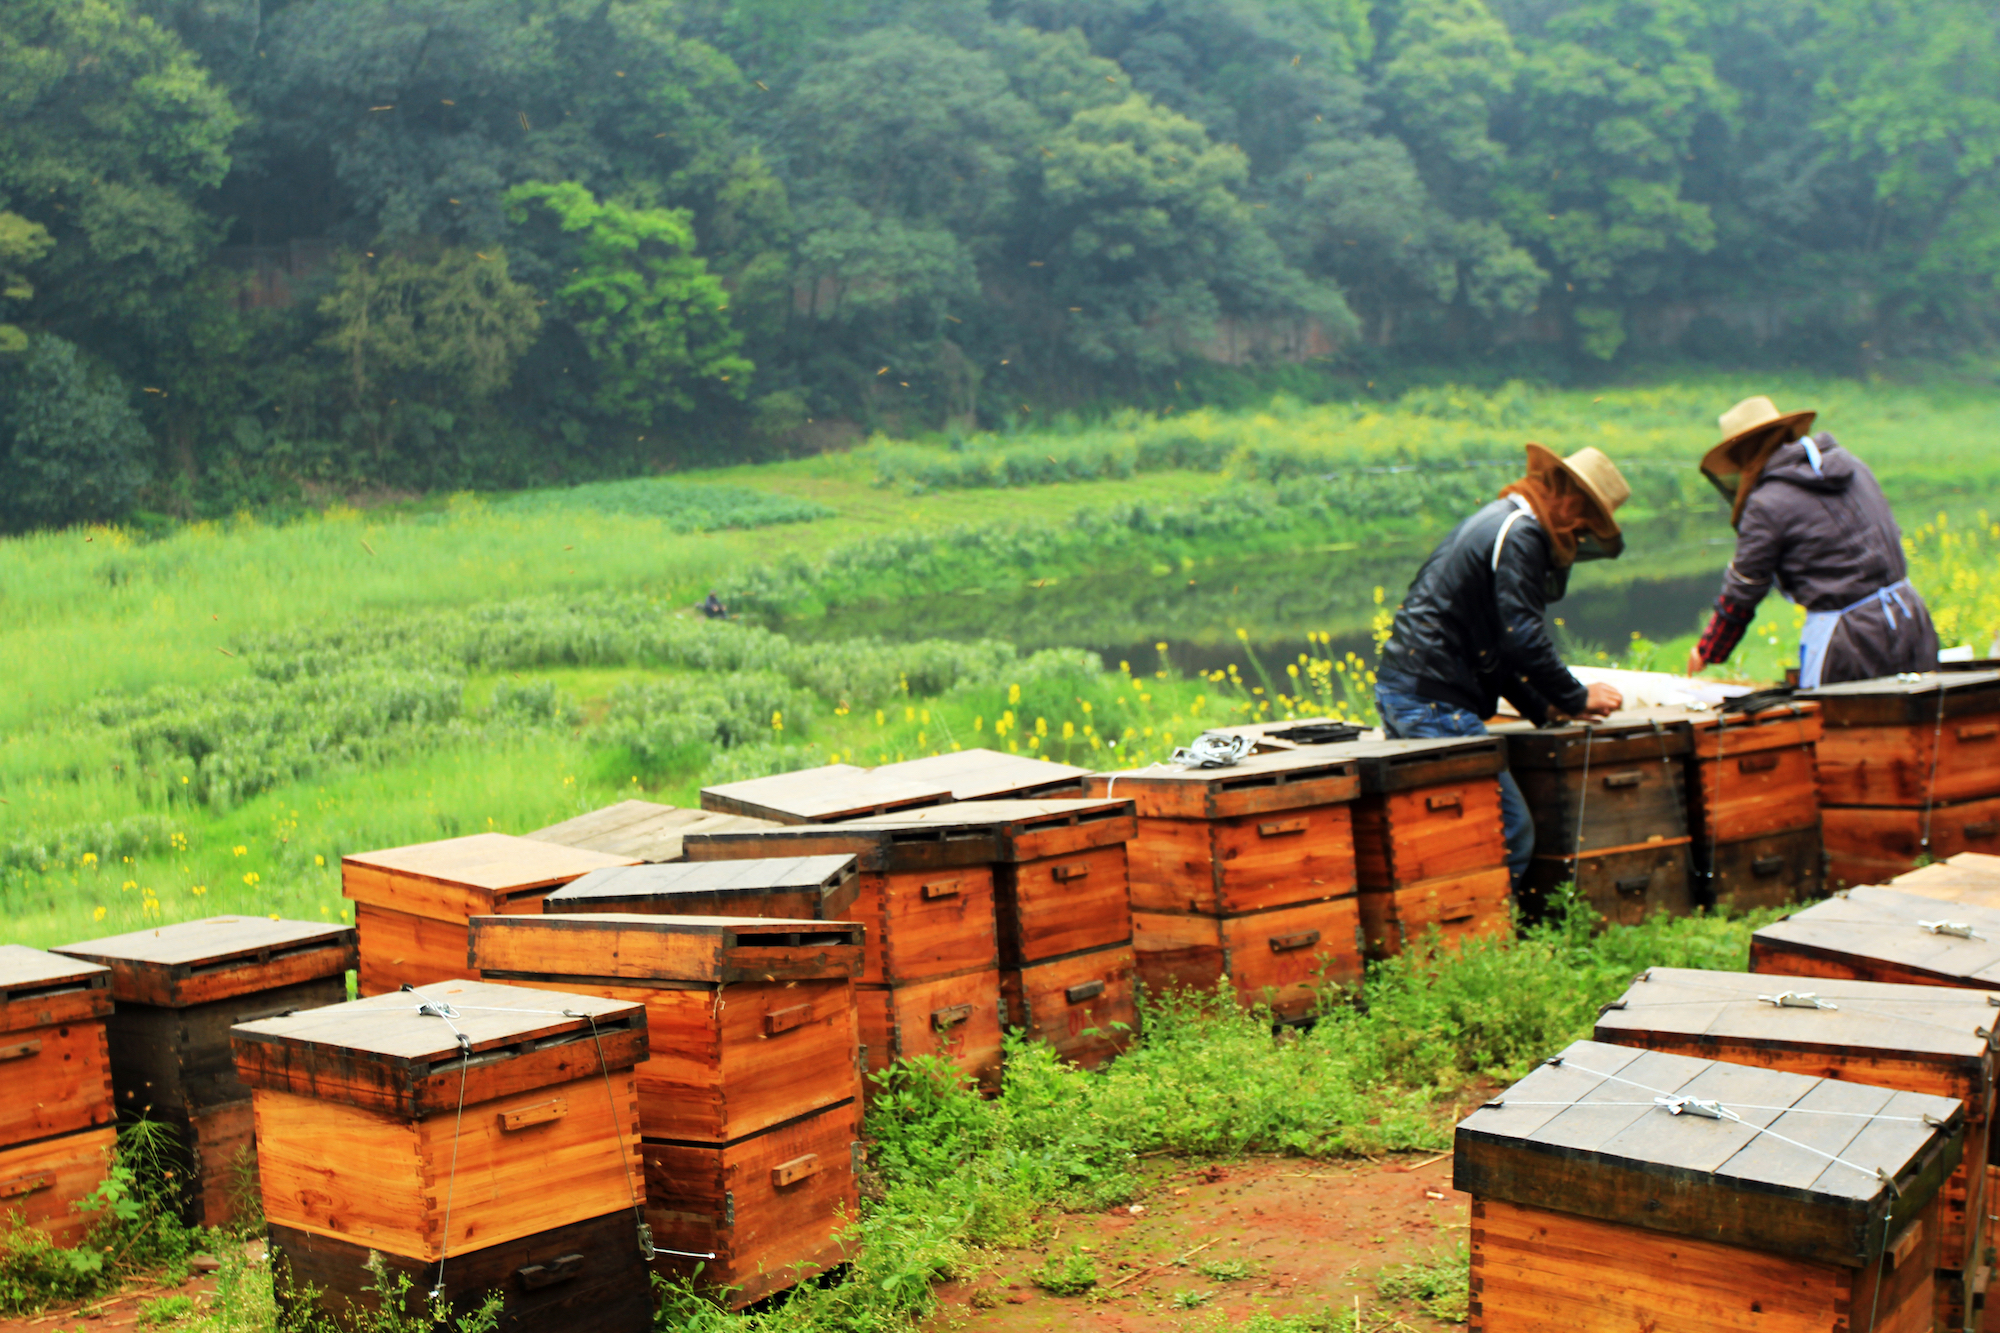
x=752, y=1039
x=179, y=989
x=478, y=1136
x=56, y=1134
x=988, y=775
x=823, y=795
x=809, y=888
x=411, y=903
x=1928, y=1039
x=1617, y=1189
x=1245, y=872
x=641, y=830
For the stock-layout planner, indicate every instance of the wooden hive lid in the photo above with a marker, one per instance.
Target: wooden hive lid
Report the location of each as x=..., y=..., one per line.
x=1026, y=830
x=1583, y=1134
x=686, y=887
x=989, y=775
x=387, y=1053
x=1882, y=926
x=822, y=795
x=1969, y=877
x=1770, y=716
x=1639, y=734
x=195, y=962
x=876, y=848
x=497, y=863
x=1933, y=1024
x=38, y=987
x=1270, y=736
x=632, y=946
x=642, y=830
x=1904, y=700
x=1282, y=780
x=1399, y=765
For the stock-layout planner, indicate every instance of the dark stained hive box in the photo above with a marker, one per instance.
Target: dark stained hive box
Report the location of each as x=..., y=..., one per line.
x=1596, y=1208
x=179, y=989
x=809, y=888
x=363, y=1147
x=1926, y=1039
x=56, y=1115
x=823, y=795
x=412, y=903
x=989, y=775
x=1245, y=873
x=640, y=830
x=1754, y=806
x=1877, y=934
x=1610, y=812
x=753, y=1045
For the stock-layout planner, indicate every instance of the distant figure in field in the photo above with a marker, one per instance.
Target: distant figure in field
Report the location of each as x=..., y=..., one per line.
x=714, y=609
x=1810, y=519
x=1470, y=629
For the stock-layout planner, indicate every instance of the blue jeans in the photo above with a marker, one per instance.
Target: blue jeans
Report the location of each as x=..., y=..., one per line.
x=1407, y=717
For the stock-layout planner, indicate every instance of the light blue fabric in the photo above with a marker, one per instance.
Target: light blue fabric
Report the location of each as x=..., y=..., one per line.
x=1820, y=626
x=1812, y=455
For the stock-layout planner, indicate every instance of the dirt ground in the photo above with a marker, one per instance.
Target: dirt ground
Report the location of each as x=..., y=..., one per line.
x=120, y=1310
x=1307, y=1236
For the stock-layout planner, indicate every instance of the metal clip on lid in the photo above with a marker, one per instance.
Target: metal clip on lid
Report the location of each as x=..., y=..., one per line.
x=1691, y=1106
x=1958, y=928
x=1798, y=999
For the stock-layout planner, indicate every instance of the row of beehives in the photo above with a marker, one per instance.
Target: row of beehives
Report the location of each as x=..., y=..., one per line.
x=1807, y=1145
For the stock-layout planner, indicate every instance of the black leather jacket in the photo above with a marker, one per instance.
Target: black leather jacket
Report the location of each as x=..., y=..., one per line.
x=1470, y=629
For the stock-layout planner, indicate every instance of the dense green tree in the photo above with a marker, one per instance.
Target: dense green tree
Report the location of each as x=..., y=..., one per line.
x=21, y=243
x=75, y=450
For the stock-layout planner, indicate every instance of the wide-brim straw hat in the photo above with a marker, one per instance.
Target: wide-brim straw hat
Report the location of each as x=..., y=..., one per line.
x=1746, y=429
x=1597, y=477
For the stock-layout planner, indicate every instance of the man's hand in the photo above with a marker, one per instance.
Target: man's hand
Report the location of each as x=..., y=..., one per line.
x=1695, y=662
x=1603, y=701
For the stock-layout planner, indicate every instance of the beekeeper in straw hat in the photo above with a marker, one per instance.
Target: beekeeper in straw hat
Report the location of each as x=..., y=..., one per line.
x=1470, y=629
x=1810, y=519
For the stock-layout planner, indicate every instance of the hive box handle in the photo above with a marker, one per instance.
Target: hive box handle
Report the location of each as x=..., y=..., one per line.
x=1984, y=731
x=541, y=1113
x=943, y=888
x=784, y=1020
x=1765, y=866
x=1279, y=827
x=1304, y=939
x=1074, y=870
x=21, y=1050
x=1451, y=801
x=1982, y=830
x=559, y=1269
x=1635, y=884
x=1088, y=990
x=1613, y=781
x=1756, y=763
x=792, y=1172
x=19, y=1185
x=950, y=1017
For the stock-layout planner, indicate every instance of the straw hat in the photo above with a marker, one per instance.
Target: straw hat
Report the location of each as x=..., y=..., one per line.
x=1596, y=476
x=1747, y=422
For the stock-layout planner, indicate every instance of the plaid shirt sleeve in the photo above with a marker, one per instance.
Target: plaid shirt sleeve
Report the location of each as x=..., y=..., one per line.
x=1725, y=629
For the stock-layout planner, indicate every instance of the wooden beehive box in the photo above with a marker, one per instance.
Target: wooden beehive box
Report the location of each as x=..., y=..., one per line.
x=823, y=795
x=1428, y=847
x=989, y=775
x=1245, y=874
x=641, y=830
x=1926, y=1039
x=1877, y=934
x=511, y=1112
x=56, y=1118
x=411, y=903
x=1596, y=1208
x=1969, y=877
x=806, y=888
x=1610, y=812
x=178, y=990
x=1754, y=806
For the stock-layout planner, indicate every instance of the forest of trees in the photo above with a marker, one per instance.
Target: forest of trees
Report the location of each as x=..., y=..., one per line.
x=254, y=246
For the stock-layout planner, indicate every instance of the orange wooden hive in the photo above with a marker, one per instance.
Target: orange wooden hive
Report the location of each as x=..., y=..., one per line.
x=807, y=888
x=1772, y=1200
x=411, y=903
x=56, y=1134
x=478, y=1136
x=823, y=795
x=1428, y=846
x=988, y=775
x=1753, y=791
x=1909, y=770
x=1064, y=911
x=753, y=1043
x=1912, y=1038
x=930, y=971
x=179, y=989
x=642, y=830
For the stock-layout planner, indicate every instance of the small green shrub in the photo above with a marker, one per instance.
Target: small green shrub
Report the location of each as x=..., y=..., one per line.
x=1441, y=1287
x=1069, y=1274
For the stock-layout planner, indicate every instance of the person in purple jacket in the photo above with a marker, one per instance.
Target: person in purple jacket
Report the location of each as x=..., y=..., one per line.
x=1811, y=521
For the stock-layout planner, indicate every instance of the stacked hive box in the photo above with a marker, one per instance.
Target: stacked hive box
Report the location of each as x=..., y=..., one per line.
x=807, y=888
x=1913, y=1038
x=749, y=1102
x=1428, y=846
x=411, y=903
x=640, y=830
x=55, y=1121
x=823, y=795
x=1064, y=910
x=1755, y=816
x=477, y=1137
x=1609, y=811
x=1909, y=770
x=930, y=973
x=1596, y=1206
x=988, y=775
x=1245, y=873
x=179, y=989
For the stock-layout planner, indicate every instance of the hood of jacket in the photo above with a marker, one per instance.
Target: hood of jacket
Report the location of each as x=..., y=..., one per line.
x=1793, y=464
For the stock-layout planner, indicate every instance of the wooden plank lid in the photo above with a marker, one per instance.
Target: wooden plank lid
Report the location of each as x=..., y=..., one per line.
x=1935, y=1024
x=989, y=775
x=1653, y=733
x=1902, y=700
x=402, y=1052
x=497, y=863
x=1399, y=765
x=194, y=962
x=876, y=848
x=1785, y=1163
x=820, y=795
x=1028, y=830
x=1283, y=780
x=1969, y=877
x=37, y=988
x=640, y=947
x=712, y=888
x=642, y=830
x=1884, y=930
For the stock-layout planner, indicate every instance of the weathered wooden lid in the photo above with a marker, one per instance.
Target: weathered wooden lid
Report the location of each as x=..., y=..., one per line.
x=194, y=962
x=1882, y=927
x=493, y=863
x=635, y=947
x=1900, y=700
x=1398, y=765
x=1285, y=780
x=989, y=775
x=401, y=1052
x=1791, y=1167
x=820, y=795
x=641, y=830
x=1028, y=830
x=1933, y=1024
x=884, y=848
x=1654, y=733
x=38, y=988
x=712, y=888
x=1969, y=877
x=1270, y=736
